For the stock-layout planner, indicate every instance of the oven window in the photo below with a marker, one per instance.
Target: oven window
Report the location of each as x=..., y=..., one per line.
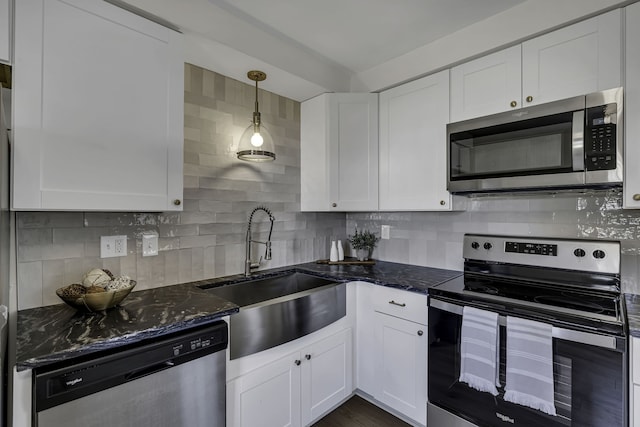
x=588, y=382
x=529, y=147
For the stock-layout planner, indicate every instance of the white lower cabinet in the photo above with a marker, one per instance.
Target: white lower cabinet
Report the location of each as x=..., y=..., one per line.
x=634, y=383
x=401, y=365
x=296, y=389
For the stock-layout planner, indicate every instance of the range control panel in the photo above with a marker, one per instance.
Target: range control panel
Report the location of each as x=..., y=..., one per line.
x=531, y=248
x=575, y=254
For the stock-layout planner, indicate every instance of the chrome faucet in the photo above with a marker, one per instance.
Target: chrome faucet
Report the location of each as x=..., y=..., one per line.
x=248, y=264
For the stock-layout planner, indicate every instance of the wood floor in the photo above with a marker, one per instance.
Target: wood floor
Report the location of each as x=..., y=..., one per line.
x=357, y=412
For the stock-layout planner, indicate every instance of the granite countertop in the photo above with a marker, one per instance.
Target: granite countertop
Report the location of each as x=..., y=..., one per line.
x=51, y=334
x=633, y=314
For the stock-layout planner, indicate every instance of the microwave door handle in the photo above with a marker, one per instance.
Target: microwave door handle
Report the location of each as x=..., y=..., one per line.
x=577, y=140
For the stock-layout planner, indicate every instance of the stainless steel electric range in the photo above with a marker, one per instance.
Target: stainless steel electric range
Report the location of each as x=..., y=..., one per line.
x=573, y=285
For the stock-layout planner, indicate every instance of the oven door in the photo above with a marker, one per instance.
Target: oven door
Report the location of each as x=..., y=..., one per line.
x=589, y=377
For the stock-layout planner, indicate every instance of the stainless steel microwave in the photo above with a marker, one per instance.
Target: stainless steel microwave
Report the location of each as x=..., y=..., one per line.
x=573, y=143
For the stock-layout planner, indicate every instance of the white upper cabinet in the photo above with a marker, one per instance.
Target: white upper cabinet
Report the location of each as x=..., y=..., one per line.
x=631, y=181
x=98, y=109
x=413, y=145
x=488, y=85
x=339, y=152
x=5, y=31
x=575, y=60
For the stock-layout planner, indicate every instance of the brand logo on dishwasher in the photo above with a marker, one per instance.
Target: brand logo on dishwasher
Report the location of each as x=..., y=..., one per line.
x=74, y=382
x=505, y=418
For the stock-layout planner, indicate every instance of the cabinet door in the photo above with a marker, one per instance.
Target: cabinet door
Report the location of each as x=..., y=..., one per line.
x=314, y=155
x=327, y=375
x=413, y=145
x=576, y=60
x=98, y=109
x=339, y=152
x=401, y=366
x=487, y=85
x=267, y=396
x=631, y=181
x=353, y=151
x=5, y=31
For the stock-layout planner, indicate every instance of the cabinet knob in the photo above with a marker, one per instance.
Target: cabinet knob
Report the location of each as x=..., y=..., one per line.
x=177, y=202
x=297, y=362
x=529, y=98
x=307, y=356
x=513, y=104
x=334, y=205
x=420, y=333
x=442, y=203
x=636, y=197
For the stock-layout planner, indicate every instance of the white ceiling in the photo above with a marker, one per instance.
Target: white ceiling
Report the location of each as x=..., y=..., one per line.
x=359, y=34
x=308, y=47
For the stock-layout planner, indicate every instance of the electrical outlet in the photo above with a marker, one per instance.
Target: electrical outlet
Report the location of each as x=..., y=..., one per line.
x=384, y=231
x=149, y=244
x=113, y=246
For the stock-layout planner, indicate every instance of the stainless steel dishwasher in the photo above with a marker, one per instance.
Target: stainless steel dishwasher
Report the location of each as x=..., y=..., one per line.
x=178, y=380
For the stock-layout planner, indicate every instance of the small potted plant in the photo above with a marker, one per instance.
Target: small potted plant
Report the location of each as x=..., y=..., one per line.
x=363, y=243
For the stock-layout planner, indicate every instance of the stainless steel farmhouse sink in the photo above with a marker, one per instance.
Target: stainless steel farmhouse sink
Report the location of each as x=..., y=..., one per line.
x=279, y=309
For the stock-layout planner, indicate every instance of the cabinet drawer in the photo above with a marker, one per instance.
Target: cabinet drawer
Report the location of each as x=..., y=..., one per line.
x=404, y=304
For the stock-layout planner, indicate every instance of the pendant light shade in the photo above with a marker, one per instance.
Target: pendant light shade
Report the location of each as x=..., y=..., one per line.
x=256, y=144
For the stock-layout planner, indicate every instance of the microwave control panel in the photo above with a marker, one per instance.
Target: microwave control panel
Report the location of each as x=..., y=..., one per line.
x=600, y=138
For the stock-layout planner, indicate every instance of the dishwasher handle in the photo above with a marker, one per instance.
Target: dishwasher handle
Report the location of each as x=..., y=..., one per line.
x=138, y=373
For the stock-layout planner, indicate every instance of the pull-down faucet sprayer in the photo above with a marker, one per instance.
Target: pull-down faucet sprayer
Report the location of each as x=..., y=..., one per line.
x=248, y=264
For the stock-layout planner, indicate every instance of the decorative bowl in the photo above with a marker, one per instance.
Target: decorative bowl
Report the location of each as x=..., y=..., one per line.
x=97, y=301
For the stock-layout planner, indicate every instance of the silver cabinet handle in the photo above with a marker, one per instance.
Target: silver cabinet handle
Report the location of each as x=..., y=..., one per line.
x=636, y=197
x=399, y=304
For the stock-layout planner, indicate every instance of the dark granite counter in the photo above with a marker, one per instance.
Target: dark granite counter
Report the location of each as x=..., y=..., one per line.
x=633, y=314
x=56, y=333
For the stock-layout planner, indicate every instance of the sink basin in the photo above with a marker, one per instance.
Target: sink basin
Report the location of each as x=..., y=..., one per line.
x=279, y=309
x=261, y=290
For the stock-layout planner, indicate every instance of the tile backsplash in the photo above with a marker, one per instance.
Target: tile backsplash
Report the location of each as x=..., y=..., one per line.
x=207, y=238
x=435, y=239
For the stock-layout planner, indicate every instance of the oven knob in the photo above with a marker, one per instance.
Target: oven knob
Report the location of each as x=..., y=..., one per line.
x=475, y=245
x=598, y=254
x=579, y=253
x=488, y=245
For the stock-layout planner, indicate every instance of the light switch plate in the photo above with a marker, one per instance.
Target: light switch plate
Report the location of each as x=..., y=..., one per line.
x=113, y=246
x=149, y=244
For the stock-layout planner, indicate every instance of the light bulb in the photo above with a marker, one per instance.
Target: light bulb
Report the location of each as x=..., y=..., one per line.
x=257, y=140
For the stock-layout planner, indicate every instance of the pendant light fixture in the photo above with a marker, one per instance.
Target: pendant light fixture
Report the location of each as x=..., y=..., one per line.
x=256, y=144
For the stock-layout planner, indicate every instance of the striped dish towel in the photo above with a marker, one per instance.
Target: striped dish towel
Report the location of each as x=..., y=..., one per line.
x=479, y=350
x=530, y=364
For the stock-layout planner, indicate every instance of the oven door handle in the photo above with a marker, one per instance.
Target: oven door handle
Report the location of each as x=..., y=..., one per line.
x=604, y=341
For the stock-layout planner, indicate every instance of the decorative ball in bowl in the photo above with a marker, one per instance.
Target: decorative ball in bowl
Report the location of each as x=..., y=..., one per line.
x=99, y=290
